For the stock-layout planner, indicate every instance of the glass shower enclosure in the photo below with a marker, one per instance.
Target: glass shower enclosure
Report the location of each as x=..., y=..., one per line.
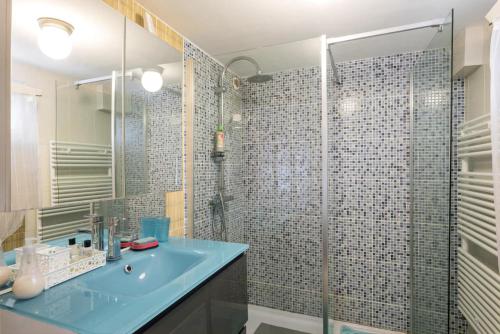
x=386, y=173
x=338, y=174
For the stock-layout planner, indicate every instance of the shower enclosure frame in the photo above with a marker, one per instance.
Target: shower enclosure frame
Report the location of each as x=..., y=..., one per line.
x=325, y=53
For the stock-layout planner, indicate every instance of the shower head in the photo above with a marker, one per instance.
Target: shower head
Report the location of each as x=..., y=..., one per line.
x=257, y=78
x=260, y=78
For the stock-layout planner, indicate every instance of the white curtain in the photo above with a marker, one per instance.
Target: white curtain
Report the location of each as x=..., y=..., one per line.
x=495, y=121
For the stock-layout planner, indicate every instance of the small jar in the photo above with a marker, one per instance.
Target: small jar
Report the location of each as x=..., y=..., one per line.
x=74, y=252
x=87, y=248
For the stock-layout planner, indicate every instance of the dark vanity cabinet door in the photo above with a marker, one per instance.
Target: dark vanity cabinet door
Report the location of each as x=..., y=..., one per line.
x=219, y=306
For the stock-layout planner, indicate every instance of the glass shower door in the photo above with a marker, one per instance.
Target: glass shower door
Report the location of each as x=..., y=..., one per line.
x=431, y=116
x=388, y=176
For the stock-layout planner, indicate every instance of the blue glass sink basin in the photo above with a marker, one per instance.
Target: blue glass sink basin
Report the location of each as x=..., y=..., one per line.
x=108, y=300
x=149, y=271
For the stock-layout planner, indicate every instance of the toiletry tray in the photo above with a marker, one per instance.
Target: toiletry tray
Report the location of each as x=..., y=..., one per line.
x=55, y=265
x=50, y=258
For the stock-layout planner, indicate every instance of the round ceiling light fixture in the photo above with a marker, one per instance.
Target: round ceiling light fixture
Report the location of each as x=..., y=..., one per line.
x=54, y=38
x=152, y=80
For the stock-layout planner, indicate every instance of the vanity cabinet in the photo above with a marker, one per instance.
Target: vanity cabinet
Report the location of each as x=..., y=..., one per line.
x=218, y=306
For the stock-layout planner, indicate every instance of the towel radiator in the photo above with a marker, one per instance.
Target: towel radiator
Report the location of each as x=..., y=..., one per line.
x=478, y=272
x=62, y=220
x=80, y=172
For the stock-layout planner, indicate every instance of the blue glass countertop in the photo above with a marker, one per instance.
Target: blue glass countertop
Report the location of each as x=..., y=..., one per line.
x=107, y=300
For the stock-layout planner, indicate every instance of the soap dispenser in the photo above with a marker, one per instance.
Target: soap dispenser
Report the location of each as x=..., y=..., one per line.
x=29, y=281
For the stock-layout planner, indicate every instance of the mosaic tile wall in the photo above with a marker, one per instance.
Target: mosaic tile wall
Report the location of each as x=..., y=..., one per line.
x=431, y=167
x=206, y=73
x=370, y=192
x=282, y=180
x=163, y=140
x=458, y=324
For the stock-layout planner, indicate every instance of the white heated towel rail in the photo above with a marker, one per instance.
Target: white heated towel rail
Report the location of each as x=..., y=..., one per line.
x=478, y=279
x=80, y=172
x=62, y=220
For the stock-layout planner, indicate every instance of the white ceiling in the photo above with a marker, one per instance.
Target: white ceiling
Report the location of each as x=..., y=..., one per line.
x=225, y=28
x=97, y=40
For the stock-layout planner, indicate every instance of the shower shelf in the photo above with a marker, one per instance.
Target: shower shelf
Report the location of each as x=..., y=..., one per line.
x=478, y=279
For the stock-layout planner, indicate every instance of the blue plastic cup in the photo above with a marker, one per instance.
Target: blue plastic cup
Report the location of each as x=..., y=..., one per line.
x=157, y=227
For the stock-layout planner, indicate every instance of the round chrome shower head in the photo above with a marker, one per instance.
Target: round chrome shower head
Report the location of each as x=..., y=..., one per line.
x=260, y=78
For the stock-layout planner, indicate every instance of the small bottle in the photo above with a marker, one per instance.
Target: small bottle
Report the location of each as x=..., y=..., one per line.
x=219, y=140
x=74, y=252
x=29, y=281
x=87, y=248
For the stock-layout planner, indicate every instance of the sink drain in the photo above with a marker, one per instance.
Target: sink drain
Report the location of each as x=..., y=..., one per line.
x=127, y=269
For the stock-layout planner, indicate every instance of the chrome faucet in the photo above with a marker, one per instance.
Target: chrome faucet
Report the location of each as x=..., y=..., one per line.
x=96, y=231
x=114, y=246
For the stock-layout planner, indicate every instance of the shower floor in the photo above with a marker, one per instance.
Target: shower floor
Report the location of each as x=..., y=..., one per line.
x=263, y=320
x=338, y=327
x=348, y=330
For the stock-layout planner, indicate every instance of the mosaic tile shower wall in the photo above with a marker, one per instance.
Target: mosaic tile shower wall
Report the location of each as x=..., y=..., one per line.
x=280, y=171
x=370, y=191
x=207, y=72
x=431, y=191
x=458, y=324
x=282, y=184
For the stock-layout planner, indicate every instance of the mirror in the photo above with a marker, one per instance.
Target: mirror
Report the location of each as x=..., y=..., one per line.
x=153, y=113
x=63, y=85
x=87, y=127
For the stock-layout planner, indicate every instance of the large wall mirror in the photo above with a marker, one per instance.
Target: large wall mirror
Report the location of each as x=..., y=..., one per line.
x=63, y=68
x=96, y=111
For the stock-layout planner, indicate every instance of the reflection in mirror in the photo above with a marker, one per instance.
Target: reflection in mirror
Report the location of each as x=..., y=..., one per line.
x=152, y=122
x=98, y=129
x=153, y=113
x=65, y=78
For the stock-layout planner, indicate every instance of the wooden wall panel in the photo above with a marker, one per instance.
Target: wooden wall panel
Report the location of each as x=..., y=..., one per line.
x=174, y=208
x=137, y=13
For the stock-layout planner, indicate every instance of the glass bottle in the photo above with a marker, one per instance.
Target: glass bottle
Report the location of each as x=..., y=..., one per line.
x=29, y=281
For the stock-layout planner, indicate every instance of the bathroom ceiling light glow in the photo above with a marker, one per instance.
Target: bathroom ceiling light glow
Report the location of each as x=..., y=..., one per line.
x=54, y=38
x=152, y=80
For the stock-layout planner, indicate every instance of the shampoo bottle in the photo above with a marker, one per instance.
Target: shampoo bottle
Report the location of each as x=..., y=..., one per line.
x=219, y=140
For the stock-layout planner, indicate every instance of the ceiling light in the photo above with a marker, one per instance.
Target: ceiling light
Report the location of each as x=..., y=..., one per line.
x=152, y=80
x=54, y=37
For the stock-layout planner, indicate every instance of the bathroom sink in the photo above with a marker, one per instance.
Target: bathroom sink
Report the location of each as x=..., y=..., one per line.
x=141, y=273
x=109, y=300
